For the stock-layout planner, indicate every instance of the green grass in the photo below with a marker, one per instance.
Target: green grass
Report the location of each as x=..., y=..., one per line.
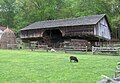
x=18, y=66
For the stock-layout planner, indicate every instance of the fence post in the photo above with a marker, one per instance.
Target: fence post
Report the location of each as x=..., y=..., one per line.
x=86, y=49
x=92, y=49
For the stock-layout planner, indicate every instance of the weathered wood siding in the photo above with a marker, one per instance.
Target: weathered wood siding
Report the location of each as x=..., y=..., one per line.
x=77, y=30
x=66, y=31
x=31, y=33
x=102, y=29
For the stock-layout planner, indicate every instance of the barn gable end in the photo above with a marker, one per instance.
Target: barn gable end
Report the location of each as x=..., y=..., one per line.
x=101, y=29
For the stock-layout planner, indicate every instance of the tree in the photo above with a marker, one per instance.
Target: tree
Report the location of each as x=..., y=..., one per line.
x=7, y=12
x=19, y=13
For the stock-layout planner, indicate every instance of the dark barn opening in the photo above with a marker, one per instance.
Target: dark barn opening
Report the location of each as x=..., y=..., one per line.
x=52, y=37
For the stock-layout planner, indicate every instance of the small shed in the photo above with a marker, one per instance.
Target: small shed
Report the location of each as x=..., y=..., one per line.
x=7, y=39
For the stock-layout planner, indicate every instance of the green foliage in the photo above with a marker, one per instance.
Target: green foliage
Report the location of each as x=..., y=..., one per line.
x=45, y=67
x=19, y=13
x=8, y=12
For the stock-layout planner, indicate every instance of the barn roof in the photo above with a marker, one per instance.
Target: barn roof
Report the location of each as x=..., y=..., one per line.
x=86, y=20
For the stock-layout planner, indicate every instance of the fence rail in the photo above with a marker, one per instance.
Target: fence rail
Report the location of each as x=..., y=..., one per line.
x=113, y=50
x=73, y=48
x=12, y=46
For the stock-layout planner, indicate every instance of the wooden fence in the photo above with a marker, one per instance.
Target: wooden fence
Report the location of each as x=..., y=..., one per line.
x=75, y=49
x=12, y=46
x=113, y=50
x=117, y=71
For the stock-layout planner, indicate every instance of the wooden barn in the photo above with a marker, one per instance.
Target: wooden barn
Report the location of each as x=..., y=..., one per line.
x=93, y=29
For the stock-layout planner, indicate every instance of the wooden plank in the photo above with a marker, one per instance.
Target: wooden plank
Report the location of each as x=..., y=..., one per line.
x=105, y=49
x=72, y=48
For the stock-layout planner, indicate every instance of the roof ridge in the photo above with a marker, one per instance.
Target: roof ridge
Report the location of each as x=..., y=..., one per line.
x=71, y=18
x=85, y=20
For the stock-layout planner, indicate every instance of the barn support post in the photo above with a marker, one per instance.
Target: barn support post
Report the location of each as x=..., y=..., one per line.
x=92, y=43
x=29, y=45
x=99, y=42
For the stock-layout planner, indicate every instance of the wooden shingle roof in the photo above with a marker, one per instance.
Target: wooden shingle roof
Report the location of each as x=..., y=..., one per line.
x=86, y=20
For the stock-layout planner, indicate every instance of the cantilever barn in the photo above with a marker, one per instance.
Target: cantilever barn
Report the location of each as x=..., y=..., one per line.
x=92, y=29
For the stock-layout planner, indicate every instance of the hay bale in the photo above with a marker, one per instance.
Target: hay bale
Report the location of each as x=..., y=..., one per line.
x=8, y=37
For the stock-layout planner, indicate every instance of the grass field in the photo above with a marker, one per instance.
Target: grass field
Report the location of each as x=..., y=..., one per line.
x=18, y=66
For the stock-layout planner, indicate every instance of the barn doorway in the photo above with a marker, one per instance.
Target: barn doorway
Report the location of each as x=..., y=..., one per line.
x=52, y=38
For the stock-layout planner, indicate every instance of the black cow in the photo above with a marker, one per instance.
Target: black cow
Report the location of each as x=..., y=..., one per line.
x=73, y=58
